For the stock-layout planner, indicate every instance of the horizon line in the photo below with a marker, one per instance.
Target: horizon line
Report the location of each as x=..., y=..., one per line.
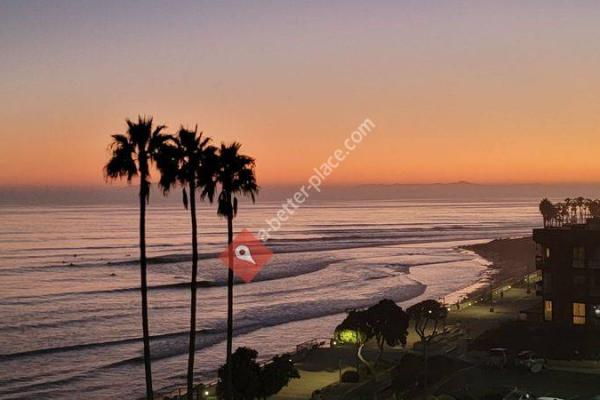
x=120, y=185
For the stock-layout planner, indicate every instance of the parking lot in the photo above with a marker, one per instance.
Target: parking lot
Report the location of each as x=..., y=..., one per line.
x=478, y=382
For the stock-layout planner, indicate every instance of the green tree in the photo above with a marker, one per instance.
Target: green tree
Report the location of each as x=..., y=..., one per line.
x=191, y=161
x=356, y=329
x=131, y=156
x=428, y=316
x=384, y=321
x=235, y=174
x=389, y=324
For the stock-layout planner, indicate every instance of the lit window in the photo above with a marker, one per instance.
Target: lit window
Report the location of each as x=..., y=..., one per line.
x=547, y=252
x=595, y=311
x=548, y=310
x=579, y=257
x=578, y=314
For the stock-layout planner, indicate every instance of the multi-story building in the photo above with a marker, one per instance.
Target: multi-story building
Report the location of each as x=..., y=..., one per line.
x=569, y=259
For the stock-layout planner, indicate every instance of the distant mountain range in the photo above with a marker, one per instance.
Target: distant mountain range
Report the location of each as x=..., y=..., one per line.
x=461, y=191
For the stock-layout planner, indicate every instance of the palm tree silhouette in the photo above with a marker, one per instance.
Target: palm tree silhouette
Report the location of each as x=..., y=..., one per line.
x=580, y=203
x=235, y=175
x=594, y=208
x=547, y=210
x=131, y=156
x=191, y=162
x=569, y=207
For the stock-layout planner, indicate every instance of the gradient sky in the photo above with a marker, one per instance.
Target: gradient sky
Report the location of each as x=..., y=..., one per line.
x=504, y=91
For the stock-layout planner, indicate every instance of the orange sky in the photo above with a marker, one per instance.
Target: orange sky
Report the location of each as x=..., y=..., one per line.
x=471, y=91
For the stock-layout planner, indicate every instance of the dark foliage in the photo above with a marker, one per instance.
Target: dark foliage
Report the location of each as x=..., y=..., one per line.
x=246, y=377
x=427, y=315
x=251, y=381
x=389, y=324
x=350, y=376
x=276, y=374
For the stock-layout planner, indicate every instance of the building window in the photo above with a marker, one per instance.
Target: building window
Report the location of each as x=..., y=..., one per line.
x=547, y=310
x=593, y=257
x=547, y=252
x=578, y=313
x=579, y=257
x=595, y=311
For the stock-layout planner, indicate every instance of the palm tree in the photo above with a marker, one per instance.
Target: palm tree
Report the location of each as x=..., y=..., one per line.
x=235, y=175
x=190, y=162
x=563, y=213
x=569, y=207
x=587, y=205
x=547, y=210
x=580, y=202
x=573, y=203
x=131, y=156
x=594, y=208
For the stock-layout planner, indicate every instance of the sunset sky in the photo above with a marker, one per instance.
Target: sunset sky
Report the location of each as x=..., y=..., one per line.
x=504, y=91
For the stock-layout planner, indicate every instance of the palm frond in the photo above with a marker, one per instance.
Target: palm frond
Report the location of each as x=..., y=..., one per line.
x=223, y=206
x=235, y=174
x=133, y=151
x=166, y=158
x=121, y=163
x=185, y=198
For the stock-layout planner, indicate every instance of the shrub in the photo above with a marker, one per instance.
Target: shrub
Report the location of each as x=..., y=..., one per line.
x=350, y=376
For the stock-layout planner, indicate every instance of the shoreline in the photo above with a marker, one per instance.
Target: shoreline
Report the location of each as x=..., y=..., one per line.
x=509, y=258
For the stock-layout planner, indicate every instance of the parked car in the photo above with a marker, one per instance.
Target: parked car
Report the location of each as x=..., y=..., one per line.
x=528, y=360
x=517, y=394
x=497, y=357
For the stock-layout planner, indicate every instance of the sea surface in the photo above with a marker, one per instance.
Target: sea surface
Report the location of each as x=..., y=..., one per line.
x=69, y=278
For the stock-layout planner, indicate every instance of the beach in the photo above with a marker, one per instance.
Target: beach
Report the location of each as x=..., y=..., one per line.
x=510, y=258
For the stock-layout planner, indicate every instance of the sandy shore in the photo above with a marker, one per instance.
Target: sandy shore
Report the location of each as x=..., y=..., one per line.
x=512, y=258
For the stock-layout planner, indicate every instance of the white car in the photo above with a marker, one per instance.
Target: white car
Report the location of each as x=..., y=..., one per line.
x=528, y=360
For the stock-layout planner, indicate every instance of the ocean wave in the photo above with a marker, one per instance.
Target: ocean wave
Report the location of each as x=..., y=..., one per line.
x=265, y=275
x=338, y=237
x=175, y=343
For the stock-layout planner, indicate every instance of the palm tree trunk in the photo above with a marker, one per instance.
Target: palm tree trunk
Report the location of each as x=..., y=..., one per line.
x=370, y=368
x=229, y=385
x=364, y=360
x=144, y=289
x=194, y=290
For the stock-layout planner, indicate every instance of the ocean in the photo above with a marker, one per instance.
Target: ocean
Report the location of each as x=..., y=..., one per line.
x=69, y=278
